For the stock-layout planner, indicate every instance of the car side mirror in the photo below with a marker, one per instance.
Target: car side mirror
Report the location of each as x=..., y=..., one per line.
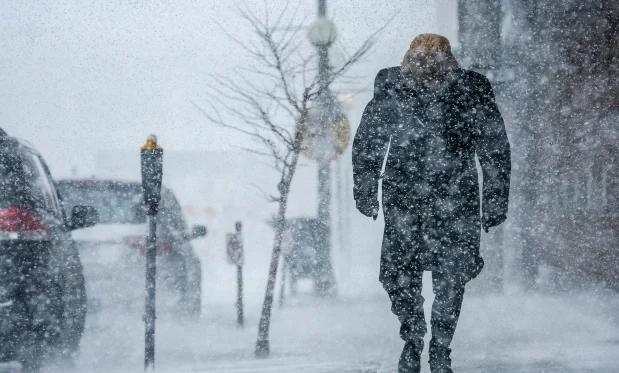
x=83, y=217
x=197, y=231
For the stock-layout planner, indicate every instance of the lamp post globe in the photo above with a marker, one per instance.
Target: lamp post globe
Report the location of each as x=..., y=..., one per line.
x=322, y=32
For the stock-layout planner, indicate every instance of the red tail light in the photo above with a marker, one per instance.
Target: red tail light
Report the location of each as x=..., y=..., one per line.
x=18, y=220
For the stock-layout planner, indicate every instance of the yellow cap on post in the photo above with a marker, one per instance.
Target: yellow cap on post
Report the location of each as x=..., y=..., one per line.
x=151, y=143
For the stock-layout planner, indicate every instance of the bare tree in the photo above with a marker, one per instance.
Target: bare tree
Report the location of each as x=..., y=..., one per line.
x=270, y=103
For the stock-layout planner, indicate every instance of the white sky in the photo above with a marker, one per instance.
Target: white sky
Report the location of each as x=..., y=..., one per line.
x=80, y=76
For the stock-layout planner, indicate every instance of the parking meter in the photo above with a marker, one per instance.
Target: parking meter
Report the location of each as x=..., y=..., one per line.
x=152, y=173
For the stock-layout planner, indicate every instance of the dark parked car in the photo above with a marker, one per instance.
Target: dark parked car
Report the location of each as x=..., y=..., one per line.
x=112, y=251
x=42, y=292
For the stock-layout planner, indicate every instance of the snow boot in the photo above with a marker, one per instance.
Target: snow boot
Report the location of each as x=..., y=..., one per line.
x=410, y=360
x=440, y=362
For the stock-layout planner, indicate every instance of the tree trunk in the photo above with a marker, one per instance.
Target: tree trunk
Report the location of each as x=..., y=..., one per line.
x=262, y=344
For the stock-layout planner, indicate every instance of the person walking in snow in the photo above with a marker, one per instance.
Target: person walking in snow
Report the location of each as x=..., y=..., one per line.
x=429, y=118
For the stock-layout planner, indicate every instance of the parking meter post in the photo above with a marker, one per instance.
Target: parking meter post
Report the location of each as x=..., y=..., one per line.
x=240, y=319
x=239, y=300
x=152, y=172
x=150, y=312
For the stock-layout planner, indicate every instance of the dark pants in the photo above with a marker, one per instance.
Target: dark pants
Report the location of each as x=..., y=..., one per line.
x=407, y=305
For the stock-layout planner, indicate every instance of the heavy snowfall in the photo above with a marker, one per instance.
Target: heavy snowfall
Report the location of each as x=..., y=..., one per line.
x=319, y=186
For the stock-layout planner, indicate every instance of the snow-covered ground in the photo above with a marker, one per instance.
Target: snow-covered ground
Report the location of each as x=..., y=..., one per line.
x=508, y=333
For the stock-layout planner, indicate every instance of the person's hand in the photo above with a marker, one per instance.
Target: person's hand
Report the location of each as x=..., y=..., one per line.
x=368, y=206
x=488, y=221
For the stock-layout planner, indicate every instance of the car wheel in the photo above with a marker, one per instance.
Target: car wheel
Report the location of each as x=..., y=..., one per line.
x=40, y=324
x=74, y=309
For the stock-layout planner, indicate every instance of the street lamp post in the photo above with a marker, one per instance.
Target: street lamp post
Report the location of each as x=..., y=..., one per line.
x=322, y=34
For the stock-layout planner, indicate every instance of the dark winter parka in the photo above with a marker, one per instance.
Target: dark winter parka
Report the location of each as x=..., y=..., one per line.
x=430, y=188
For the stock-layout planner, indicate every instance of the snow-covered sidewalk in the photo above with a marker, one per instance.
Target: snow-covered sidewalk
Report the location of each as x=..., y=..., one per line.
x=507, y=333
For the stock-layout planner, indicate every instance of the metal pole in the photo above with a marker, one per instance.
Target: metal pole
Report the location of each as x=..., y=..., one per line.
x=150, y=313
x=239, y=295
x=324, y=165
x=339, y=199
x=324, y=169
x=324, y=174
x=238, y=227
x=324, y=196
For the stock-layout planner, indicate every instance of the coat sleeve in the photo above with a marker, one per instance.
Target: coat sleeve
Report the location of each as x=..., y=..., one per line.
x=368, y=150
x=493, y=152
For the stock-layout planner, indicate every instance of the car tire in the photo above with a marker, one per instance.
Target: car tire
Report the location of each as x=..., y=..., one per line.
x=74, y=309
x=40, y=324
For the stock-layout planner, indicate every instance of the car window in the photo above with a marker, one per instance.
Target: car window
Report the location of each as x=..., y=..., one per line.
x=115, y=204
x=38, y=184
x=171, y=214
x=50, y=181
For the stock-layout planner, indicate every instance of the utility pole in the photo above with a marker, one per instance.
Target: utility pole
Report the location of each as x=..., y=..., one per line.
x=322, y=38
x=324, y=163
